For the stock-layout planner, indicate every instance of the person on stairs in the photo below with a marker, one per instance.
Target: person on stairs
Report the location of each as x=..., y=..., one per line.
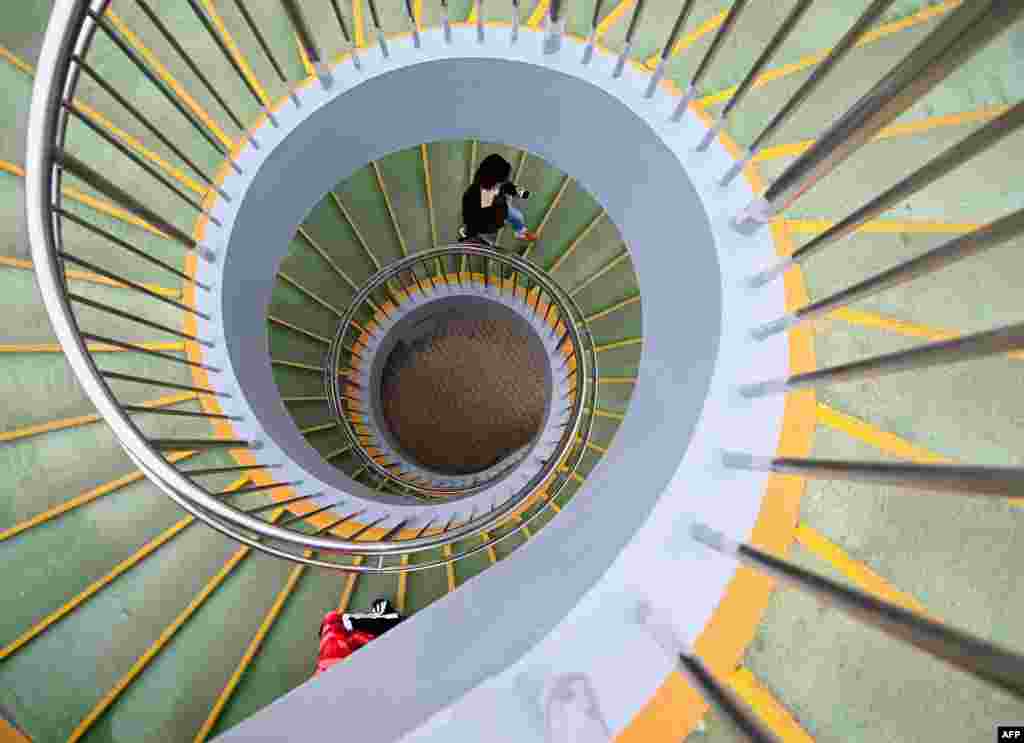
x=485, y=207
x=343, y=634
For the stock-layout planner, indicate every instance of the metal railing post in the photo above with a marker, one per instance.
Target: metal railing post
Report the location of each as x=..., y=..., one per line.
x=336, y=5
x=377, y=27
x=515, y=21
x=620, y=64
x=588, y=52
x=963, y=33
x=964, y=348
x=987, y=136
x=479, y=21
x=765, y=57
x=957, y=249
x=555, y=29
x=415, y=24
x=306, y=38
x=267, y=51
x=973, y=655
x=446, y=22
x=666, y=51
x=705, y=64
x=818, y=75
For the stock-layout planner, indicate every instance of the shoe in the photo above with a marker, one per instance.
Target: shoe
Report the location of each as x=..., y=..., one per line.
x=380, y=616
x=462, y=233
x=528, y=236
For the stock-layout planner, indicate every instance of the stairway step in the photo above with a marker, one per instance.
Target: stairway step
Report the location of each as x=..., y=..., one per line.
x=449, y=166
x=424, y=587
x=363, y=198
x=17, y=88
x=404, y=179
x=106, y=636
x=23, y=31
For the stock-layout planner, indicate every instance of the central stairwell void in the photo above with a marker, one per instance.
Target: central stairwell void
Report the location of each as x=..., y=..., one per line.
x=287, y=335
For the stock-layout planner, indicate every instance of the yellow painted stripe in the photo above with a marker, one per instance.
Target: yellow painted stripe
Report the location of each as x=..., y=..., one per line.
x=417, y=12
x=619, y=344
x=11, y=734
x=473, y=14
x=141, y=149
x=17, y=61
x=358, y=23
x=491, y=554
x=450, y=567
x=250, y=652
x=12, y=168
x=403, y=584
x=540, y=10
x=769, y=710
x=161, y=642
x=884, y=441
x=885, y=226
x=908, y=129
x=236, y=53
x=547, y=214
x=612, y=18
x=95, y=587
x=306, y=64
x=887, y=29
x=82, y=420
x=425, y=156
x=87, y=497
x=855, y=571
x=710, y=25
x=616, y=380
x=93, y=347
x=391, y=209
x=164, y=74
x=111, y=210
x=902, y=327
x=577, y=240
x=350, y=586
x=614, y=308
x=609, y=414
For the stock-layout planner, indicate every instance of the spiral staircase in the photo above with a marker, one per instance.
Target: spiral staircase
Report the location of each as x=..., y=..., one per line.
x=241, y=202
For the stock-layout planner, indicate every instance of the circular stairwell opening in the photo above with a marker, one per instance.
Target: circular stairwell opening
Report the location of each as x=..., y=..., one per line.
x=463, y=387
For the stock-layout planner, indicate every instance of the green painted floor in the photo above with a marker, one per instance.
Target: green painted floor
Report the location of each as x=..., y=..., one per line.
x=840, y=682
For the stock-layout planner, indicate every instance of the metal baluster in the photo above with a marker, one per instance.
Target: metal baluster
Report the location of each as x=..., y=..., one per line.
x=705, y=64
x=977, y=345
x=973, y=655
x=231, y=468
x=305, y=34
x=588, y=52
x=769, y=51
x=965, y=246
x=415, y=26
x=989, y=135
x=954, y=479
x=184, y=413
x=146, y=351
x=133, y=318
x=666, y=51
x=515, y=21
x=172, y=40
x=963, y=33
x=150, y=127
x=135, y=158
x=630, y=30
x=200, y=13
x=76, y=167
x=261, y=39
x=376, y=25
x=446, y=22
x=185, y=444
x=479, y=21
x=344, y=32
x=556, y=28
x=818, y=75
x=693, y=669
x=160, y=383
x=171, y=98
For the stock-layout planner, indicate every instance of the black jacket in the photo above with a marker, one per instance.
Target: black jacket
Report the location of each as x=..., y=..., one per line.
x=481, y=221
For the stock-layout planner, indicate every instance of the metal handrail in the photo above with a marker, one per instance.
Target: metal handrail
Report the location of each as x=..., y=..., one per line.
x=568, y=312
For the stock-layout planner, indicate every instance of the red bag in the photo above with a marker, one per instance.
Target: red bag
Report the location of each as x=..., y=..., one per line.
x=336, y=642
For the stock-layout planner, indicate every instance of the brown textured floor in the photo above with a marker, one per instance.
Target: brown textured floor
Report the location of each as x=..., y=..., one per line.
x=465, y=396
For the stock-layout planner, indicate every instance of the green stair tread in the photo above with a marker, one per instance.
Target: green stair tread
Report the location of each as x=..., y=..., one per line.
x=823, y=666
x=544, y=181
x=598, y=248
x=614, y=397
x=612, y=287
x=203, y=50
x=172, y=699
x=578, y=17
x=976, y=192
x=460, y=9
x=370, y=587
x=97, y=644
x=404, y=179
x=623, y=323
x=334, y=235
x=14, y=238
x=58, y=559
x=24, y=26
x=449, y=165
x=307, y=267
x=471, y=566
x=17, y=88
x=289, y=304
x=424, y=587
x=362, y=197
x=289, y=345
x=861, y=69
x=950, y=410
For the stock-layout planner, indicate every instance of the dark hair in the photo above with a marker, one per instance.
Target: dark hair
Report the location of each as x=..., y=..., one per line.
x=494, y=169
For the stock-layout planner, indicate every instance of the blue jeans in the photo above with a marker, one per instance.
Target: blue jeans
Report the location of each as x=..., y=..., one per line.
x=515, y=219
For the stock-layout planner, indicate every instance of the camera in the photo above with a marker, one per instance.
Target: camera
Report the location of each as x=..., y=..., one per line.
x=511, y=189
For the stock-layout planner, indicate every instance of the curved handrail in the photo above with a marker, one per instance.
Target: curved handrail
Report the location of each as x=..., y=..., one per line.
x=567, y=311
x=72, y=27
